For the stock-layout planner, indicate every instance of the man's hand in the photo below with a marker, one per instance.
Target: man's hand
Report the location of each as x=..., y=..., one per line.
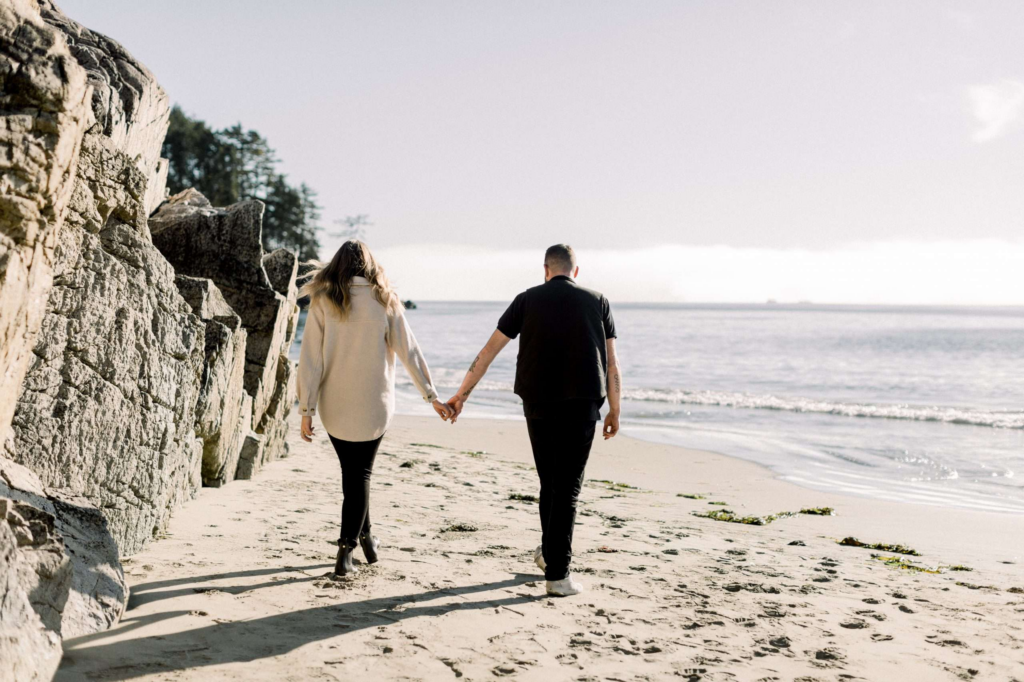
x=455, y=404
x=444, y=410
x=307, y=429
x=611, y=425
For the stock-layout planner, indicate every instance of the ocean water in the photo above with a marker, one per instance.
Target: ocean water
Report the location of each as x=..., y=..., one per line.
x=918, y=404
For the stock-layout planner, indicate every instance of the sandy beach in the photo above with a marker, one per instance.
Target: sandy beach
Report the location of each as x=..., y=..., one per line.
x=239, y=589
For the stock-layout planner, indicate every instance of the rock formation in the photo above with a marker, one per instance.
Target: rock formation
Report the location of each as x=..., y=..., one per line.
x=98, y=588
x=224, y=245
x=44, y=109
x=124, y=384
x=35, y=577
x=223, y=413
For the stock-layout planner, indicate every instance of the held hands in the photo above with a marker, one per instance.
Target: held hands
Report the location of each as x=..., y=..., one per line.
x=444, y=410
x=611, y=425
x=455, y=404
x=307, y=429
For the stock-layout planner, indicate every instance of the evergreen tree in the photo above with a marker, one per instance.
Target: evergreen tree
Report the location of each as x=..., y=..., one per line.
x=236, y=164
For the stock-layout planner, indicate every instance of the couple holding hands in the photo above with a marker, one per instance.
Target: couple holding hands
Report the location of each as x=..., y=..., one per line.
x=356, y=328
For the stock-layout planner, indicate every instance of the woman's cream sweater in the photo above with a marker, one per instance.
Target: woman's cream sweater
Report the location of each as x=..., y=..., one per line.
x=347, y=366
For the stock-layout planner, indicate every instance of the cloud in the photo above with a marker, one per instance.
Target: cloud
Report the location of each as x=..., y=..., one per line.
x=997, y=108
x=963, y=272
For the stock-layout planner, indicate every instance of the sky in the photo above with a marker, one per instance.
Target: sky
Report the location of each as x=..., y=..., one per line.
x=868, y=152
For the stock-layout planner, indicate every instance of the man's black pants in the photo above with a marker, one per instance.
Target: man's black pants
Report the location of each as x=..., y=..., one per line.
x=560, y=449
x=356, y=459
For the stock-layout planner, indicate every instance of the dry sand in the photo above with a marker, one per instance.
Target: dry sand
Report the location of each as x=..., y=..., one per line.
x=237, y=591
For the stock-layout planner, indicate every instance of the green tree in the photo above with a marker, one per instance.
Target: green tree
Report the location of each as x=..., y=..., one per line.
x=236, y=164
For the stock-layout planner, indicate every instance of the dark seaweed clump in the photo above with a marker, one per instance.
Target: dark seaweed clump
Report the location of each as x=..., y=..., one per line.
x=880, y=546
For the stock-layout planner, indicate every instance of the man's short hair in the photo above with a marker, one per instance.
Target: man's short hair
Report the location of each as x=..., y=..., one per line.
x=560, y=258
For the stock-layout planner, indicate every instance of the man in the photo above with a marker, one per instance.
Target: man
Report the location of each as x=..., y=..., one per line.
x=565, y=370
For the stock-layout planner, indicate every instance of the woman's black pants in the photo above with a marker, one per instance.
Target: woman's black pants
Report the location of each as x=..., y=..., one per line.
x=356, y=459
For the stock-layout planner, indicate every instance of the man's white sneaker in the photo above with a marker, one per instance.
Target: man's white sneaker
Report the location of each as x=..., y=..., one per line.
x=538, y=558
x=566, y=587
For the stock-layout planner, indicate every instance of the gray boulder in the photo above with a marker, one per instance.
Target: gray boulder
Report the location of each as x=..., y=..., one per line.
x=35, y=578
x=98, y=591
x=220, y=420
x=44, y=110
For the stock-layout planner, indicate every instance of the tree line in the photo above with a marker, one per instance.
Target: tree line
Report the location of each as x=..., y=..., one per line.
x=235, y=164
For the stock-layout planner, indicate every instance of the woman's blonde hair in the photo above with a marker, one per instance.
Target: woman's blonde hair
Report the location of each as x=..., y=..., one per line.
x=333, y=281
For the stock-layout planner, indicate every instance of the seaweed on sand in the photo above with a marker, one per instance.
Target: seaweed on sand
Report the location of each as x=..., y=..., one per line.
x=613, y=485
x=460, y=528
x=903, y=564
x=880, y=546
x=730, y=516
x=819, y=511
x=521, y=497
x=691, y=497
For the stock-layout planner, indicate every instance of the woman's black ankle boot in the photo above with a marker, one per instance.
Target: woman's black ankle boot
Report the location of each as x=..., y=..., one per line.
x=344, y=565
x=370, y=545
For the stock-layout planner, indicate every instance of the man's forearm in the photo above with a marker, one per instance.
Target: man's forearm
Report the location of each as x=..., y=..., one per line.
x=614, y=387
x=476, y=372
x=478, y=368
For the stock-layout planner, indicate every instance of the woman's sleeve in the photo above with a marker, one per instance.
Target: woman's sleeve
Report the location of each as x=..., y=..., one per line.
x=402, y=341
x=311, y=359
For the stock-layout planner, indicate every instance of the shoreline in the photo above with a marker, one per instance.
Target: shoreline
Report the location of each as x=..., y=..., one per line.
x=753, y=488
x=239, y=589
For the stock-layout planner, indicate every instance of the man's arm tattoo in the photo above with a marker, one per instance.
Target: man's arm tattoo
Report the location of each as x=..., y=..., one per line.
x=465, y=394
x=473, y=365
x=618, y=382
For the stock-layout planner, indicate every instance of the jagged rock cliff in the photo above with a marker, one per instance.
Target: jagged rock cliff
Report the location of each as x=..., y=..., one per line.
x=224, y=245
x=44, y=109
x=124, y=384
x=224, y=410
x=108, y=404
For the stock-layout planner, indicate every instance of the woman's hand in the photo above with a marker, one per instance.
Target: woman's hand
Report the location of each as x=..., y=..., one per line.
x=307, y=429
x=443, y=410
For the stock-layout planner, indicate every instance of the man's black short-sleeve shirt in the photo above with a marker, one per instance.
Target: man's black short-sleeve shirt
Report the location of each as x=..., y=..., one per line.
x=563, y=354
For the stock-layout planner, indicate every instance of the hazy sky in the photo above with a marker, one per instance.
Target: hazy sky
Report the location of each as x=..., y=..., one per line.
x=884, y=137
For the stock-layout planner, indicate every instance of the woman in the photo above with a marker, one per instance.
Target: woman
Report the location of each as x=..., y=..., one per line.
x=355, y=327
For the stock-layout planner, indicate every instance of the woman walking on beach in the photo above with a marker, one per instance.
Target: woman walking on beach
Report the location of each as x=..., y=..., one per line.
x=355, y=328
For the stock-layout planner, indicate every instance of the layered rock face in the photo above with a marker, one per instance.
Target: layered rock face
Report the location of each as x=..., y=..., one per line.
x=130, y=109
x=124, y=385
x=224, y=409
x=224, y=245
x=108, y=404
x=44, y=109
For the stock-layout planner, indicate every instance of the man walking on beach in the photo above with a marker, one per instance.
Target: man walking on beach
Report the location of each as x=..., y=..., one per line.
x=565, y=370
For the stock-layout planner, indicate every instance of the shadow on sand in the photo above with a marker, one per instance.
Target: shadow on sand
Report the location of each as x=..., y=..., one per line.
x=277, y=634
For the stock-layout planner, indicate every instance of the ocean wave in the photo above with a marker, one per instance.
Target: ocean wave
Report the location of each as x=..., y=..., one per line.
x=751, y=401
x=948, y=415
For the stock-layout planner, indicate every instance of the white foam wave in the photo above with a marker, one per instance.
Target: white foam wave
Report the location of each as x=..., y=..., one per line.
x=949, y=415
